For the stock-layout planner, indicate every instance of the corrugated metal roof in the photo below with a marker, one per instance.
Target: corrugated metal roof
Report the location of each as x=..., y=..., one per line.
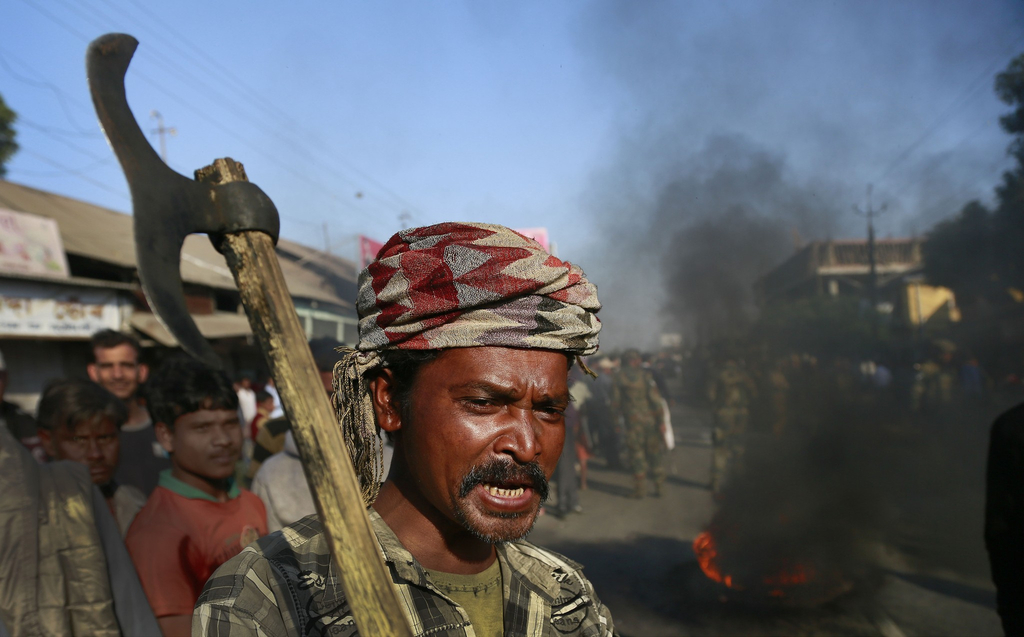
x=72, y=280
x=107, y=235
x=212, y=326
x=88, y=230
x=338, y=266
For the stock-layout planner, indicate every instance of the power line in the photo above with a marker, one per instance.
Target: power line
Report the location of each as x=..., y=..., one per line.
x=203, y=115
x=53, y=130
x=62, y=97
x=76, y=173
x=57, y=173
x=952, y=109
x=72, y=145
x=944, y=158
x=257, y=100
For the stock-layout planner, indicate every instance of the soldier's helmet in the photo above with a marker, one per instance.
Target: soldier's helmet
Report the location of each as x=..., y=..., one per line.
x=631, y=356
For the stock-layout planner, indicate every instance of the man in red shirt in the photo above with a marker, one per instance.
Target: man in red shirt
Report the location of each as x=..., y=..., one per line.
x=197, y=518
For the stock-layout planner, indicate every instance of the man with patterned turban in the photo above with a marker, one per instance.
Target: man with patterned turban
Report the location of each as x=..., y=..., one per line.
x=467, y=333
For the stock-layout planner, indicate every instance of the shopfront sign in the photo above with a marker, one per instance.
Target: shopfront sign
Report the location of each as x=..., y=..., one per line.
x=29, y=308
x=30, y=244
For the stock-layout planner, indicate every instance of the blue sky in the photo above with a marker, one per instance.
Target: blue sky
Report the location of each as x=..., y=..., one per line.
x=573, y=116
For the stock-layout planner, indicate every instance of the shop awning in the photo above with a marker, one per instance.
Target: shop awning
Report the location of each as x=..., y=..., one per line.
x=212, y=326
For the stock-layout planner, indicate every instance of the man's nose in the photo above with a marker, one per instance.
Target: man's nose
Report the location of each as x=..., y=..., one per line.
x=521, y=439
x=93, y=451
x=221, y=437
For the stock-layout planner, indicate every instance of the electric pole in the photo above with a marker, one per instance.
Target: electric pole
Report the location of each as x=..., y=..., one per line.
x=161, y=130
x=327, y=240
x=870, y=213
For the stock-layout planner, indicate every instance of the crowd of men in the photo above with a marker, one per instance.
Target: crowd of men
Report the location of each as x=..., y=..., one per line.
x=131, y=496
x=171, y=454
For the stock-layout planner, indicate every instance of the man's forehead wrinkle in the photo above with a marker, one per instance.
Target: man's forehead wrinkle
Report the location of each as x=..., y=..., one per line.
x=512, y=388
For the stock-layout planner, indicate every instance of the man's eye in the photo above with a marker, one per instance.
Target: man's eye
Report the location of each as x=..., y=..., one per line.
x=480, y=402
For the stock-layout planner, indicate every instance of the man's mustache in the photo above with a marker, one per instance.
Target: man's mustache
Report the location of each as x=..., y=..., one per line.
x=528, y=474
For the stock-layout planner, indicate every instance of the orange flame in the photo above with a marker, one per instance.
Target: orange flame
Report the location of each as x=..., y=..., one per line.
x=707, y=556
x=704, y=549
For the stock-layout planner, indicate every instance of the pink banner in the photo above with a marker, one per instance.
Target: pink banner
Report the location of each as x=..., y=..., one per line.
x=540, y=235
x=368, y=249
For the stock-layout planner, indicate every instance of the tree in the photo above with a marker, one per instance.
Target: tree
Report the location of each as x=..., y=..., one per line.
x=1008, y=217
x=7, y=134
x=959, y=255
x=978, y=253
x=1010, y=89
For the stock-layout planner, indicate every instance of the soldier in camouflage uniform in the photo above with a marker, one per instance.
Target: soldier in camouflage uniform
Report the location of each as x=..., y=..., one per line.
x=635, y=398
x=731, y=394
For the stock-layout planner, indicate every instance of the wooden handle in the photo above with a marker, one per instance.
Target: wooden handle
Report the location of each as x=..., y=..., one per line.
x=332, y=479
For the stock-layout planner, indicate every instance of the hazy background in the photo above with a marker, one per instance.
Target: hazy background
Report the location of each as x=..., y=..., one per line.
x=674, y=145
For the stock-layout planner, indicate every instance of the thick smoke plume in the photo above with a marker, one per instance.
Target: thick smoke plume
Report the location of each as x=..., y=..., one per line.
x=744, y=128
x=687, y=260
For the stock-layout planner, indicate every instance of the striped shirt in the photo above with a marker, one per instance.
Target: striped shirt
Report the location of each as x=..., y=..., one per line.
x=284, y=584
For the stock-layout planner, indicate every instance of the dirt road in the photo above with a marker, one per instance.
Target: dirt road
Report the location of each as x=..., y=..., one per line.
x=638, y=554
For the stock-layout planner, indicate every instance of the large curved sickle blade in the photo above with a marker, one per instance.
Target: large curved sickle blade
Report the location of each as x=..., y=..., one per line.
x=161, y=198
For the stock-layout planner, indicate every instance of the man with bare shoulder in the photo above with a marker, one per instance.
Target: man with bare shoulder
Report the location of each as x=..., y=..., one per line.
x=467, y=335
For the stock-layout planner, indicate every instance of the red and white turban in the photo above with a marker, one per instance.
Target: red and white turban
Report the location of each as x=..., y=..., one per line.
x=473, y=284
x=457, y=285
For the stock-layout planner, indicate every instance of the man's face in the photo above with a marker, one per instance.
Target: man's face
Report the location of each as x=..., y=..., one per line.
x=117, y=370
x=93, y=443
x=485, y=430
x=206, y=442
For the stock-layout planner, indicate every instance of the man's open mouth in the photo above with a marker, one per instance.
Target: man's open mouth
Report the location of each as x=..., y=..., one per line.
x=505, y=479
x=504, y=493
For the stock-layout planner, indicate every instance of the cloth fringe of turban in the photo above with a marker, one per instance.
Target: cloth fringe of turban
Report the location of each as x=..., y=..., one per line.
x=455, y=285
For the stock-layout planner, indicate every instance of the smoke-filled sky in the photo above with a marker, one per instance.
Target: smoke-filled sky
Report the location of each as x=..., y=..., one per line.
x=656, y=140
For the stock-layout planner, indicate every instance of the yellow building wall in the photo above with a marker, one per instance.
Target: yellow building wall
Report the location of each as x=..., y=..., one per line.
x=925, y=301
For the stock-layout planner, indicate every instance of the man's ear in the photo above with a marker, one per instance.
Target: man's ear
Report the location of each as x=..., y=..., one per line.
x=385, y=405
x=164, y=436
x=142, y=371
x=94, y=373
x=49, y=444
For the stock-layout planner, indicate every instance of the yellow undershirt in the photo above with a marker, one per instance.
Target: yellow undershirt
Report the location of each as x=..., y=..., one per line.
x=479, y=595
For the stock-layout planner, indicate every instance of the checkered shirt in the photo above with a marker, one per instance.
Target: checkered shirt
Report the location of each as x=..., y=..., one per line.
x=284, y=584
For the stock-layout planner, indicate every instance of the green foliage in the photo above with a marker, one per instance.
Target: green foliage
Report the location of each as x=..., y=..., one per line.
x=1010, y=89
x=959, y=255
x=7, y=134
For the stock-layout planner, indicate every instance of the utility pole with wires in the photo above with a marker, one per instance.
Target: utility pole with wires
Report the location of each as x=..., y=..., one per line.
x=870, y=213
x=161, y=130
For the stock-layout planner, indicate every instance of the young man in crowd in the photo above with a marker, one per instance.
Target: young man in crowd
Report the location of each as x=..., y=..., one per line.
x=197, y=517
x=467, y=334
x=79, y=421
x=117, y=368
